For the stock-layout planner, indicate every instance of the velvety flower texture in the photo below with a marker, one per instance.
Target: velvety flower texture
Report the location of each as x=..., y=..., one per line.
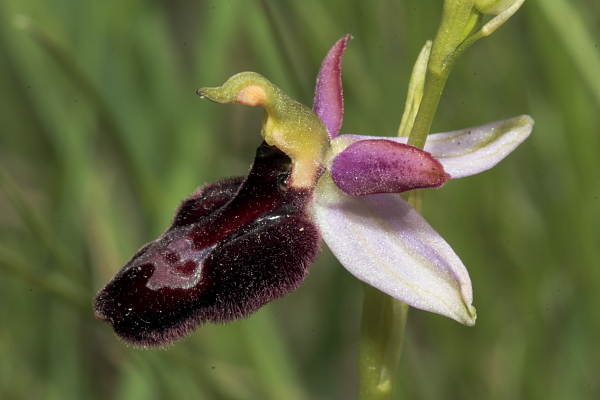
x=233, y=246
x=237, y=244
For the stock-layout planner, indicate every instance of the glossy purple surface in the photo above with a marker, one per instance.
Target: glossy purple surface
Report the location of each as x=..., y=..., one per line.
x=233, y=246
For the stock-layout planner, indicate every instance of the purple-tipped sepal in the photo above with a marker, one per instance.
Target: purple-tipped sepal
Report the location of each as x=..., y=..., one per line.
x=329, y=102
x=233, y=246
x=383, y=166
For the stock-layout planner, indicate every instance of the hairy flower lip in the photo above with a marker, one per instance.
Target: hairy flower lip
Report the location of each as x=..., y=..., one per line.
x=250, y=241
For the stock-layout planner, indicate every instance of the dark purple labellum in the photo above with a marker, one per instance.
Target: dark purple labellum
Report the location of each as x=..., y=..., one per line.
x=233, y=246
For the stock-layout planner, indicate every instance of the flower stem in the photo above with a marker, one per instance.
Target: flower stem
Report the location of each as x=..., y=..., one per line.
x=431, y=97
x=459, y=28
x=459, y=20
x=380, y=344
x=383, y=317
x=383, y=322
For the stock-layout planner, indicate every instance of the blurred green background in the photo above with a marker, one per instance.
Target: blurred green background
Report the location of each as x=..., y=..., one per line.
x=102, y=134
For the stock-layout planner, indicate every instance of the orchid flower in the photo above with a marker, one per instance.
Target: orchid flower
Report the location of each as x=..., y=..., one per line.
x=239, y=243
x=376, y=234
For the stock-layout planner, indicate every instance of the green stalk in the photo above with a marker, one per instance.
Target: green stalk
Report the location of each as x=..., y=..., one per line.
x=380, y=344
x=458, y=30
x=383, y=317
x=434, y=86
x=383, y=322
x=459, y=20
